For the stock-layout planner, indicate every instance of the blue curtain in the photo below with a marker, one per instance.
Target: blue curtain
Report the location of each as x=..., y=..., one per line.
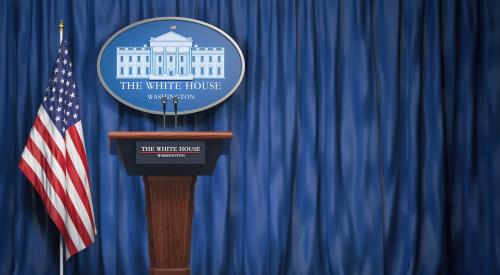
x=366, y=138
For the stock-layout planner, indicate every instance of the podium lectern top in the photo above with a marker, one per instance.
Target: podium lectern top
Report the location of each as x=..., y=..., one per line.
x=169, y=153
x=170, y=135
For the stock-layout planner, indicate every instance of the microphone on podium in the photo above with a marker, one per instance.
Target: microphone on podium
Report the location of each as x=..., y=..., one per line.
x=164, y=103
x=176, y=100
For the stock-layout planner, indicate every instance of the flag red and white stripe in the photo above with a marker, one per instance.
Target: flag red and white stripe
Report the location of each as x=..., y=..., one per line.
x=54, y=159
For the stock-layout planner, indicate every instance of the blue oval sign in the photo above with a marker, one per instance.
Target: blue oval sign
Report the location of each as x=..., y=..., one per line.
x=170, y=57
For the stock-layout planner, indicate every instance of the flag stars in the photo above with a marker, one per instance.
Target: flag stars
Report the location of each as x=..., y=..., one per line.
x=60, y=97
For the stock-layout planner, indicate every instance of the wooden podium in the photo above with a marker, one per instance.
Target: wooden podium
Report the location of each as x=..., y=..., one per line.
x=169, y=163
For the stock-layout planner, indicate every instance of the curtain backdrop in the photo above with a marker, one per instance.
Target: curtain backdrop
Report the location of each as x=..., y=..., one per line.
x=366, y=138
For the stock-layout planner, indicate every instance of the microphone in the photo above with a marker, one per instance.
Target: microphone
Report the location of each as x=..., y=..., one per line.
x=164, y=103
x=176, y=100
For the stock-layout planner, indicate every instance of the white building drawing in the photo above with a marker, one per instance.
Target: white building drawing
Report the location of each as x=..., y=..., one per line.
x=170, y=56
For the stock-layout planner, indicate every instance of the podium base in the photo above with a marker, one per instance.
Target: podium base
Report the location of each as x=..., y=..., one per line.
x=169, y=208
x=169, y=271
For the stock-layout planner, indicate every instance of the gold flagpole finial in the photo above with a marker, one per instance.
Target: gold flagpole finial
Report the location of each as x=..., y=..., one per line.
x=61, y=31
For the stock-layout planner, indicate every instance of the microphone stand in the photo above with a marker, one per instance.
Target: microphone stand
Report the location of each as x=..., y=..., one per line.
x=176, y=100
x=164, y=103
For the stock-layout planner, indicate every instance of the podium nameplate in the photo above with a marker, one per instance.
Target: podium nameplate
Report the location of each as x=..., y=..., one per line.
x=170, y=152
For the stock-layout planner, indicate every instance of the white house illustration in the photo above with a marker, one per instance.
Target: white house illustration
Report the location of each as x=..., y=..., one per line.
x=170, y=56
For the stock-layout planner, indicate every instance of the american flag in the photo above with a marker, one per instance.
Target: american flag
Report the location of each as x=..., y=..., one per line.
x=54, y=158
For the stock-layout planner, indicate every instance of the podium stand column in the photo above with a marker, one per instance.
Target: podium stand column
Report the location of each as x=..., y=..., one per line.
x=169, y=209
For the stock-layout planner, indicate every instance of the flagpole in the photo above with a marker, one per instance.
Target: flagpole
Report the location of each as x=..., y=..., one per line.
x=61, y=246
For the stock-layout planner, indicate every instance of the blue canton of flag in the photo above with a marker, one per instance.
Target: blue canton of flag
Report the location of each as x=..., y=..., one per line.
x=61, y=99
